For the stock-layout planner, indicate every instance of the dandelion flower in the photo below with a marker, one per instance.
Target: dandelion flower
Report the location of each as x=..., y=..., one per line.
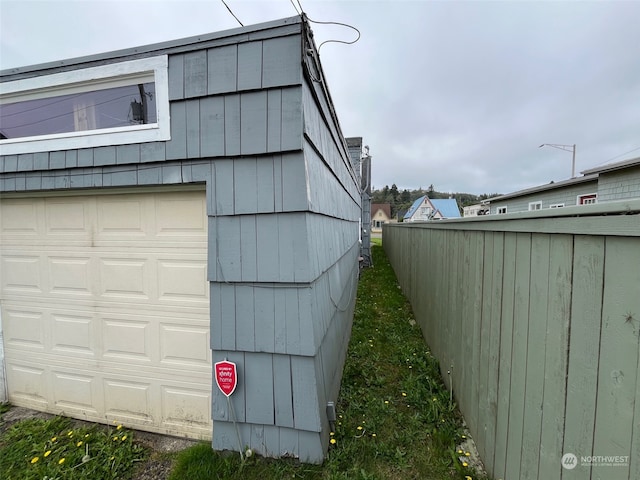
x=467, y=454
x=47, y=453
x=359, y=427
x=124, y=437
x=410, y=366
x=112, y=457
x=465, y=464
x=119, y=427
x=332, y=441
x=467, y=477
x=79, y=444
x=61, y=461
x=35, y=459
x=54, y=439
x=404, y=394
x=434, y=399
x=373, y=434
x=386, y=402
x=463, y=436
x=331, y=433
x=460, y=452
x=115, y=438
x=86, y=436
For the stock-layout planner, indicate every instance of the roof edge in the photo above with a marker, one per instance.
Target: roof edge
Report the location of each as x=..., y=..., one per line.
x=542, y=188
x=154, y=47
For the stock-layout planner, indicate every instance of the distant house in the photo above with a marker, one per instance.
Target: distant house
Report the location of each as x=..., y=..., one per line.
x=614, y=181
x=380, y=214
x=425, y=209
x=475, y=210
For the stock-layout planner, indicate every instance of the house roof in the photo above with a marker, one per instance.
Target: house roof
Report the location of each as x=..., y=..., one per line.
x=385, y=207
x=630, y=162
x=448, y=207
x=414, y=207
x=542, y=188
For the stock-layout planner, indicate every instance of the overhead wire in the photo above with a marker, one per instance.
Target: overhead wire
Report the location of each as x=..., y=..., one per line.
x=233, y=14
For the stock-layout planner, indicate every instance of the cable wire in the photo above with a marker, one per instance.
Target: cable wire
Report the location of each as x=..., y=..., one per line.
x=234, y=15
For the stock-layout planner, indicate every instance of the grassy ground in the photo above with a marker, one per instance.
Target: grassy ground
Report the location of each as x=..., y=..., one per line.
x=396, y=420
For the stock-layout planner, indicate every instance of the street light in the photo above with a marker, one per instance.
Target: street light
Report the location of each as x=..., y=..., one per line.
x=566, y=148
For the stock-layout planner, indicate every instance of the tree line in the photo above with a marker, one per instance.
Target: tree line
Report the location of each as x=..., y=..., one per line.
x=401, y=201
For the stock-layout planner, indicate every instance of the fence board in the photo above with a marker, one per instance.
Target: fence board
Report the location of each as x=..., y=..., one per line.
x=618, y=355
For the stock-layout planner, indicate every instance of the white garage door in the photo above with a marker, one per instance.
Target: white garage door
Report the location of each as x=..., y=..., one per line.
x=105, y=310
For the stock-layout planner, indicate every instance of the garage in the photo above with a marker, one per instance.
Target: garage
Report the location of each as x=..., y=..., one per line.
x=105, y=306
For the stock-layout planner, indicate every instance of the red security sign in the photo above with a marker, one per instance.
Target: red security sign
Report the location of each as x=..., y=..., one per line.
x=226, y=376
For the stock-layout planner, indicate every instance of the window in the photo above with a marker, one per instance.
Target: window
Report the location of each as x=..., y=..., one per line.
x=114, y=104
x=501, y=210
x=556, y=205
x=535, y=206
x=587, y=199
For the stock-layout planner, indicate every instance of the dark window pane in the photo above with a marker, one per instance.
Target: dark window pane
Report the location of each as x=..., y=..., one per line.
x=108, y=108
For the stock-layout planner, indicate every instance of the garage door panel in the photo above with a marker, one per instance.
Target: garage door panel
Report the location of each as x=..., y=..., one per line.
x=184, y=345
x=105, y=308
x=21, y=273
x=24, y=329
x=73, y=334
x=27, y=385
x=68, y=215
x=125, y=277
x=70, y=275
x=72, y=391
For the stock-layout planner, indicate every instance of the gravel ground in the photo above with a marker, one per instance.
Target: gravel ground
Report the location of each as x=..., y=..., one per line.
x=156, y=467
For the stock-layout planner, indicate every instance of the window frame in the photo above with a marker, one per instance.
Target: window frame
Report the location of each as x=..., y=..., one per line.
x=498, y=212
x=86, y=79
x=556, y=205
x=580, y=199
x=535, y=204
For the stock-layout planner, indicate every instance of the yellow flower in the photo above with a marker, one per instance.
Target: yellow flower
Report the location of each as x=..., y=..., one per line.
x=386, y=402
x=112, y=457
x=124, y=437
x=47, y=453
x=359, y=427
x=78, y=444
x=467, y=477
x=119, y=427
x=86, y=436
x=35, y=459
x=331, y=433
x=467, y=454
x=332, y=441
x=460, y=452
x=61, y=461
x=373, y=434
x=70, y=433
x=463, y=436
x=115, y=438
x=465, y=464
x=434, y=399
x=404, y=394
x=54, y=439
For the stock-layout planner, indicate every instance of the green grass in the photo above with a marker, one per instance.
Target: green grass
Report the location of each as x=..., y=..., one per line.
x=54, y=449
x=377, y=241
x=396, y=420
x=395, y=417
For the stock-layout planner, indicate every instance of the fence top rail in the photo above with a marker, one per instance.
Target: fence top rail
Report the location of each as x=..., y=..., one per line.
x=620, y=218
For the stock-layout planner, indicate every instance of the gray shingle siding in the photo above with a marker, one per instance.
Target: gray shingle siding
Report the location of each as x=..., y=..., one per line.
x=619, y=184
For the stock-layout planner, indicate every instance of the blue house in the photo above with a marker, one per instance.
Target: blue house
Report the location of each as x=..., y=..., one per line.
x=170, y=206
x=424, y=209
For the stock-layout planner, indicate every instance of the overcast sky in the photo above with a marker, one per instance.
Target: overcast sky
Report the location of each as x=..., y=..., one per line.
x=454, y=94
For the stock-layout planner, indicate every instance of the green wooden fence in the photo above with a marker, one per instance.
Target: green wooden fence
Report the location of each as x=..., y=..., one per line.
x=535, y=319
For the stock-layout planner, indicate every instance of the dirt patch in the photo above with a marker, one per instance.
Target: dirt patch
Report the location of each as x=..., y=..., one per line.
x=159, y=462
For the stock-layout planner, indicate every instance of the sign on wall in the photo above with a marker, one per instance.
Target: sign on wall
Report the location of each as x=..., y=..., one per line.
x=226, y=376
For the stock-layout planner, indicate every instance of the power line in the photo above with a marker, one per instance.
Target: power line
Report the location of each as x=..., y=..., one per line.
x=621, y=155
x=327, y=23
x=234, y=15
x=295, y=8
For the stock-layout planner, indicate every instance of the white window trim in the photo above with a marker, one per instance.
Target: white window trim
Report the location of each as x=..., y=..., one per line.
x=585, y=195
x=534, y=204
x=556, y=205
x=113, y=75
x=498, y=212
